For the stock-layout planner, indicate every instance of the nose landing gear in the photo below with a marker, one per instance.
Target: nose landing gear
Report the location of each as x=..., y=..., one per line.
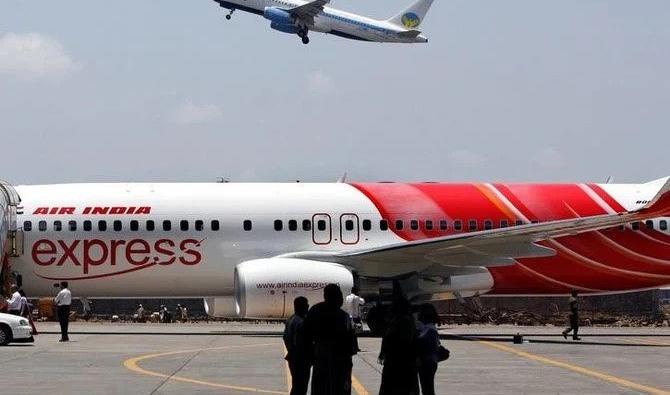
x=230, y=14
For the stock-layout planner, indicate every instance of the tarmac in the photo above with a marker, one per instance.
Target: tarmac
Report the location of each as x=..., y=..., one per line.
x=239, y=358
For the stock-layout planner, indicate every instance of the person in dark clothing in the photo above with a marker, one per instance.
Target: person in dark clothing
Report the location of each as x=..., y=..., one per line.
x=428, y=345
x=298, y=350
x=329, y=330
x=574, y=318
x=399, y=352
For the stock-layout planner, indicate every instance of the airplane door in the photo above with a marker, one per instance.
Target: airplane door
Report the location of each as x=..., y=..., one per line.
x=349, y=232
x=322, y=231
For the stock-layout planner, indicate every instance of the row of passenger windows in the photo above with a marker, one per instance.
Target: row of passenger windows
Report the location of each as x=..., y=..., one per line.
x=306, y=225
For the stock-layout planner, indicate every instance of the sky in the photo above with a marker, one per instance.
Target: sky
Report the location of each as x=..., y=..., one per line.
x=516, y=90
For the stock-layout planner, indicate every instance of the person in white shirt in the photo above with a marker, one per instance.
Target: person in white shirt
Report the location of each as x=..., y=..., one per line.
x=352, y=305
x=63, y=301
x=14, y=303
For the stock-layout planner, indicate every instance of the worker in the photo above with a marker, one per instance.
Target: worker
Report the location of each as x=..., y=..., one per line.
x=139, y=315
x=399, y=351
x=63, y=301
x=574, y=317
x=329, y=330
x=428, y=343
x=298, y=350
x=14, y=302
x=26, y=311
x=184, y=314
x=352, y=305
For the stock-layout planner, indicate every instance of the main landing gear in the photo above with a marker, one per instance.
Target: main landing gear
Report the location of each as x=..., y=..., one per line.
x=303, y=35
x=230, y=14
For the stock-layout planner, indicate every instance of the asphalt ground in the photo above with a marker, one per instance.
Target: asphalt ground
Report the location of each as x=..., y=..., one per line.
x=239, y=358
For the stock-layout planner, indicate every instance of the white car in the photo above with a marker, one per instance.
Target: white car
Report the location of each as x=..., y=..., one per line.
x=15, y=329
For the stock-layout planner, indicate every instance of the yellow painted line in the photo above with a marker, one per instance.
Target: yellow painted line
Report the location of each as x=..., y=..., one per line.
x=578, y=369
x=133, y=365
x=358, y=387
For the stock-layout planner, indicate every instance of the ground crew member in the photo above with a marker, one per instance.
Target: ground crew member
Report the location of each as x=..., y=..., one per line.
x=574, y=318
x=63, y=301
x=299, y=351
x=14, y=303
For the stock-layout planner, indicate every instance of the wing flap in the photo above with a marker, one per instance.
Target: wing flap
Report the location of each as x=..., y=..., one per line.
x=308, y=11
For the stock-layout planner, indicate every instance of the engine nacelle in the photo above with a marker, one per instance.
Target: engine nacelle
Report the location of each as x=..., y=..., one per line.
x=222, y=307
x=278, y=16
x=291, y=29
x=266, y=288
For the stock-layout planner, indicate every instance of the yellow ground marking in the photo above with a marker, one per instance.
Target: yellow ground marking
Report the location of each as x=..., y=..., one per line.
x=578, y=369
x=133, y=365
x=358, y=387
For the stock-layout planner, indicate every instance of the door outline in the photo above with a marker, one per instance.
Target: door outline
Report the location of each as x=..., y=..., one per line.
x=357, y=229
x=315, y=228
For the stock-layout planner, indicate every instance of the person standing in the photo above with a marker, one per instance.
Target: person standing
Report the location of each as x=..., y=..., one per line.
x=574, y=318
x=14, y=302
x=352, y=305
x=26, y=310
x=329, y=331
x=428, y=347
x=298, y=350
x=63, y=301
x=398, y=353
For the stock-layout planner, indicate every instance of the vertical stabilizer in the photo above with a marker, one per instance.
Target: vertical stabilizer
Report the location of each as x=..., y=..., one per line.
x=413, y=16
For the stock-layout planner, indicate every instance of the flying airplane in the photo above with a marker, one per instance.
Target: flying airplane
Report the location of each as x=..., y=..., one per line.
x=249, y=249
x=300, y=17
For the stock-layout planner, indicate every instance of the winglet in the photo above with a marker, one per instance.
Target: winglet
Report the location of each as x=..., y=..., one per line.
x=661, y=201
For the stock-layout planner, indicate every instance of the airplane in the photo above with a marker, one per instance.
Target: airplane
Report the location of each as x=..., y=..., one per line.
x=300, y=17
x=248, y=249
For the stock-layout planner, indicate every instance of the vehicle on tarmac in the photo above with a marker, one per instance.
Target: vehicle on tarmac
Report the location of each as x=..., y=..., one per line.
x=300, y=17
x=15, y=329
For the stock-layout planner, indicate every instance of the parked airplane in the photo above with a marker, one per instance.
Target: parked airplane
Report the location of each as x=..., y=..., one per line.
x=250, y=248
x=299, y=17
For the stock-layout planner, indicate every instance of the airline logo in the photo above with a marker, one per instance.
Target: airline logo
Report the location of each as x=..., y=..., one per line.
x=95, y=258
x=411, y=20
x=93, y=210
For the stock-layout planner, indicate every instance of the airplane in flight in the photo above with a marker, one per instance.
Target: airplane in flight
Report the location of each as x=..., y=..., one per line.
x=300, y=17
x=249, y=249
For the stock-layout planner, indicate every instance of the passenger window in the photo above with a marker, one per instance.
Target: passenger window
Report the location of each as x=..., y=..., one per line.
x=292, y=225
x=279, y=225
x=367, y=224
x=663, y=225
x=534, y=221
x=519, y=222
x=215, y=225
x=458, y=225
x=102, y=226
x=306, y=225
x=72, y=225
x=199, y=225
x=635, y=225
x=429, y=224
x=650, y=224
x=58, y=226
x=183, y=225
x=622, y=227
x=488, y=224
x=504, y=223
x=383, y=224
x=134, y=226
x=399, y=224
x=414, y=224
x=42, y=225
x=349, y=225
x=88, y=226
x=27, y=226
x=443, y=224
x=321, y=225
x=167, y=225
x=472, y=225
x=118, y=226
x=151, y=225
x=246, y=225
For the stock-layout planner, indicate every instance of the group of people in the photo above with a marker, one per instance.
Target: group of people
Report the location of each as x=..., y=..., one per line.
x=323, y=340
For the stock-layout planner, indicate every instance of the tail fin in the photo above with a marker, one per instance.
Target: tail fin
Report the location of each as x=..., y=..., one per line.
x=412, y=17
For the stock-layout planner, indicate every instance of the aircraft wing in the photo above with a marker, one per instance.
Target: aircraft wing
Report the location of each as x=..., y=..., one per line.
x=495, y=247
x=308, y=11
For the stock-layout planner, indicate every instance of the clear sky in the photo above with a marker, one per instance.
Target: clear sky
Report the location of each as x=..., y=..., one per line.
x=127, y=90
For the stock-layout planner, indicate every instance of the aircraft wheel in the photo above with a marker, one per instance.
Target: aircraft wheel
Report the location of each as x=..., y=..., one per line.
x=305, y=40
x=228, y=16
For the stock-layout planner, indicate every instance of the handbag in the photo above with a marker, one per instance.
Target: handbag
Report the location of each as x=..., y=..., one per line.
x=442, y=354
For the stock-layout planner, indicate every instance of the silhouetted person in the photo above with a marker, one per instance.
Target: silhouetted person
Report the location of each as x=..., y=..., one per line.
x=299, y=352
x=63, y=301
x=399, y=352
x=574, y=318
x=329, y=330
x=428, y=344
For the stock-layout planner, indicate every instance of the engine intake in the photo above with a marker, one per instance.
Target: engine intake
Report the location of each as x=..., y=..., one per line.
x=278, y=16
x=265, y=288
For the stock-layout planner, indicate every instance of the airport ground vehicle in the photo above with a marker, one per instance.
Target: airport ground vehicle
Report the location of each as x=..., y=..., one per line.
x=14, y=329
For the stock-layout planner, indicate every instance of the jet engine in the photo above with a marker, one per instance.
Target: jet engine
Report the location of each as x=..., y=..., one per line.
x=222, y=307
x=266, y=288
x=278, y=16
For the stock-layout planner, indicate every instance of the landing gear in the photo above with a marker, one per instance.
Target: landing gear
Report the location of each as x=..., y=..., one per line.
x=230, y=14
x=303, y=35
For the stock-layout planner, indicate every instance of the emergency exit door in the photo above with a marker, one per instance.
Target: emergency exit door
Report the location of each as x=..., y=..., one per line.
x=349, y=232
x=322, y=232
